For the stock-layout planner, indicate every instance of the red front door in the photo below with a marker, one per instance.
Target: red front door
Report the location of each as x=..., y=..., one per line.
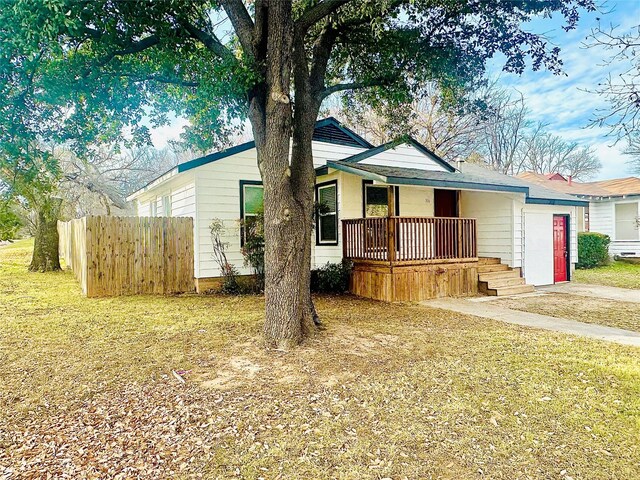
x=560, y=251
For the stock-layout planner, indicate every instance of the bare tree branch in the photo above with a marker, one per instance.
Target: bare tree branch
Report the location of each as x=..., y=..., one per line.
x=209, y=40
x=318, y=12
x=242, y=23
x=340, y=87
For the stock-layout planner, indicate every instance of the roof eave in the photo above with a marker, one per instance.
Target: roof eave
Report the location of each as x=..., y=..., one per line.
x=556, y=201
x=156, y=181
x=457, y=185
x=357, y=171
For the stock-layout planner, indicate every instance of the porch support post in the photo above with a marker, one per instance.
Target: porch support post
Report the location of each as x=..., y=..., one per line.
x=460, y=230
x=391, y=224
x=344, y=240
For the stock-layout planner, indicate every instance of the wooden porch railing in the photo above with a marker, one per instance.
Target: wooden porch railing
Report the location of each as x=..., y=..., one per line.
x=402, y=239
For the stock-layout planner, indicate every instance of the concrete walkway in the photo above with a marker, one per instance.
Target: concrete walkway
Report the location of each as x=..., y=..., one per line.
x=593, y=291
x=486, y=310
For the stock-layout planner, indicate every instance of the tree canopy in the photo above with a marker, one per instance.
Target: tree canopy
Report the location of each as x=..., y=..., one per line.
x=82, y=71
x=86, y=71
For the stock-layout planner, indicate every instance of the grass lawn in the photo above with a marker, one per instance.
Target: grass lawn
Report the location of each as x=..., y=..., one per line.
x=616, y=274
x=576, y=307
x=385, y=391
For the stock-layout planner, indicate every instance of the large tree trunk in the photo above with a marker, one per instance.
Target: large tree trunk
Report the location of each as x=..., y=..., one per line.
x=287, y=215
x=45, y=249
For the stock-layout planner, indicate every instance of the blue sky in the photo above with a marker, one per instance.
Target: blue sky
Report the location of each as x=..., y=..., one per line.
x=561, y=102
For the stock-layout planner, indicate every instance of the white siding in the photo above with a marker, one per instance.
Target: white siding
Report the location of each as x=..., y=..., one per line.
x=183, y=201
x=495, y=217
x=538, y=263
x=323, y=152
x=602, y=220
x=181, y=190
x=214, y=192
x=218, y=197
x=349, y=206
x=538, y=241
x=518, y=232
x=416, y=201
x=143, y=208
x=405, y=156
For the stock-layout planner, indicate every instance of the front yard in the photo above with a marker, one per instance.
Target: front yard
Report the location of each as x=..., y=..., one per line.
x=386, y=391
x=616, y=274
x=599, y=311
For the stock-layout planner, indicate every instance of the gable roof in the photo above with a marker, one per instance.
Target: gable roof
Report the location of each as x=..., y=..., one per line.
x=405, y=140
x=331, y=130
x=473, y=177
x=604, y=188
x=620, y=186
x=328, y=130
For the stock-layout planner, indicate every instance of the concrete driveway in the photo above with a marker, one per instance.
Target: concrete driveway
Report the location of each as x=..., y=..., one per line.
x=483, y=307
x=593, y=291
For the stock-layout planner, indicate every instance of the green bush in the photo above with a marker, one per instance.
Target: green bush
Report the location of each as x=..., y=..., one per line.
x=331, y=278
x=593, y=249
x=10, y=223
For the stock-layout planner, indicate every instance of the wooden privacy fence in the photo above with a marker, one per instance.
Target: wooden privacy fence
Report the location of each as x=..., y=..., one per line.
x=129, y=255
x=406, y=239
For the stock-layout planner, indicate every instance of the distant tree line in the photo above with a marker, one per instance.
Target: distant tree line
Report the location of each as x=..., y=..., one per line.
x=64, y=185
x=492, y=127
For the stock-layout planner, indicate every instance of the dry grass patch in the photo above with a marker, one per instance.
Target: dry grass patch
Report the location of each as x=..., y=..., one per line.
x=617, y=274
x=385, y=391
x=600, y=311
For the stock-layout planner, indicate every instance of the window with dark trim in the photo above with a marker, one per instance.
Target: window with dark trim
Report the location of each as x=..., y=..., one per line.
x=327, y=215
x=251, y=205
x=375, y=200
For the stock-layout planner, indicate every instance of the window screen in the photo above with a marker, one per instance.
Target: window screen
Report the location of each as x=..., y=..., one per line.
x=252, y=205
x=327, y=218
x=377, y=201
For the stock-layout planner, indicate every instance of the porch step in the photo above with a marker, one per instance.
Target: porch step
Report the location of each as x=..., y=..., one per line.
x=495, y=267
x=511, y=290
x=505, y=282
x=495, y=278
x=487, y=277
x=488, y=260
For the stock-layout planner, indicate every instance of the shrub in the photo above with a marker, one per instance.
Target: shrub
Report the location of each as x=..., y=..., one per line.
x=331, y=278
x=228, y=271
x=593, y=249
x=10, y=223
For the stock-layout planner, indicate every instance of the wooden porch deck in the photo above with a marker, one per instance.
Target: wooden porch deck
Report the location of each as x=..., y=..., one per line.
x=411, y=258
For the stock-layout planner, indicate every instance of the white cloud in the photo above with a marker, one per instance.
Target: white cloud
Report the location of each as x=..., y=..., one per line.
x=564, y=102
x=161, y=136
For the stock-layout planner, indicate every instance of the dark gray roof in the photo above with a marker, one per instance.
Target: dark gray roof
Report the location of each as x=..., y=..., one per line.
x=472, y=176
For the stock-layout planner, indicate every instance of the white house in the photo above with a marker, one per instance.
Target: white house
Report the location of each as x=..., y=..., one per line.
x=614, y=208
x=414, y=225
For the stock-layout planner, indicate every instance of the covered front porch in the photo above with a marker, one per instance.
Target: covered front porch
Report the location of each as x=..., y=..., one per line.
x=399, y=258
